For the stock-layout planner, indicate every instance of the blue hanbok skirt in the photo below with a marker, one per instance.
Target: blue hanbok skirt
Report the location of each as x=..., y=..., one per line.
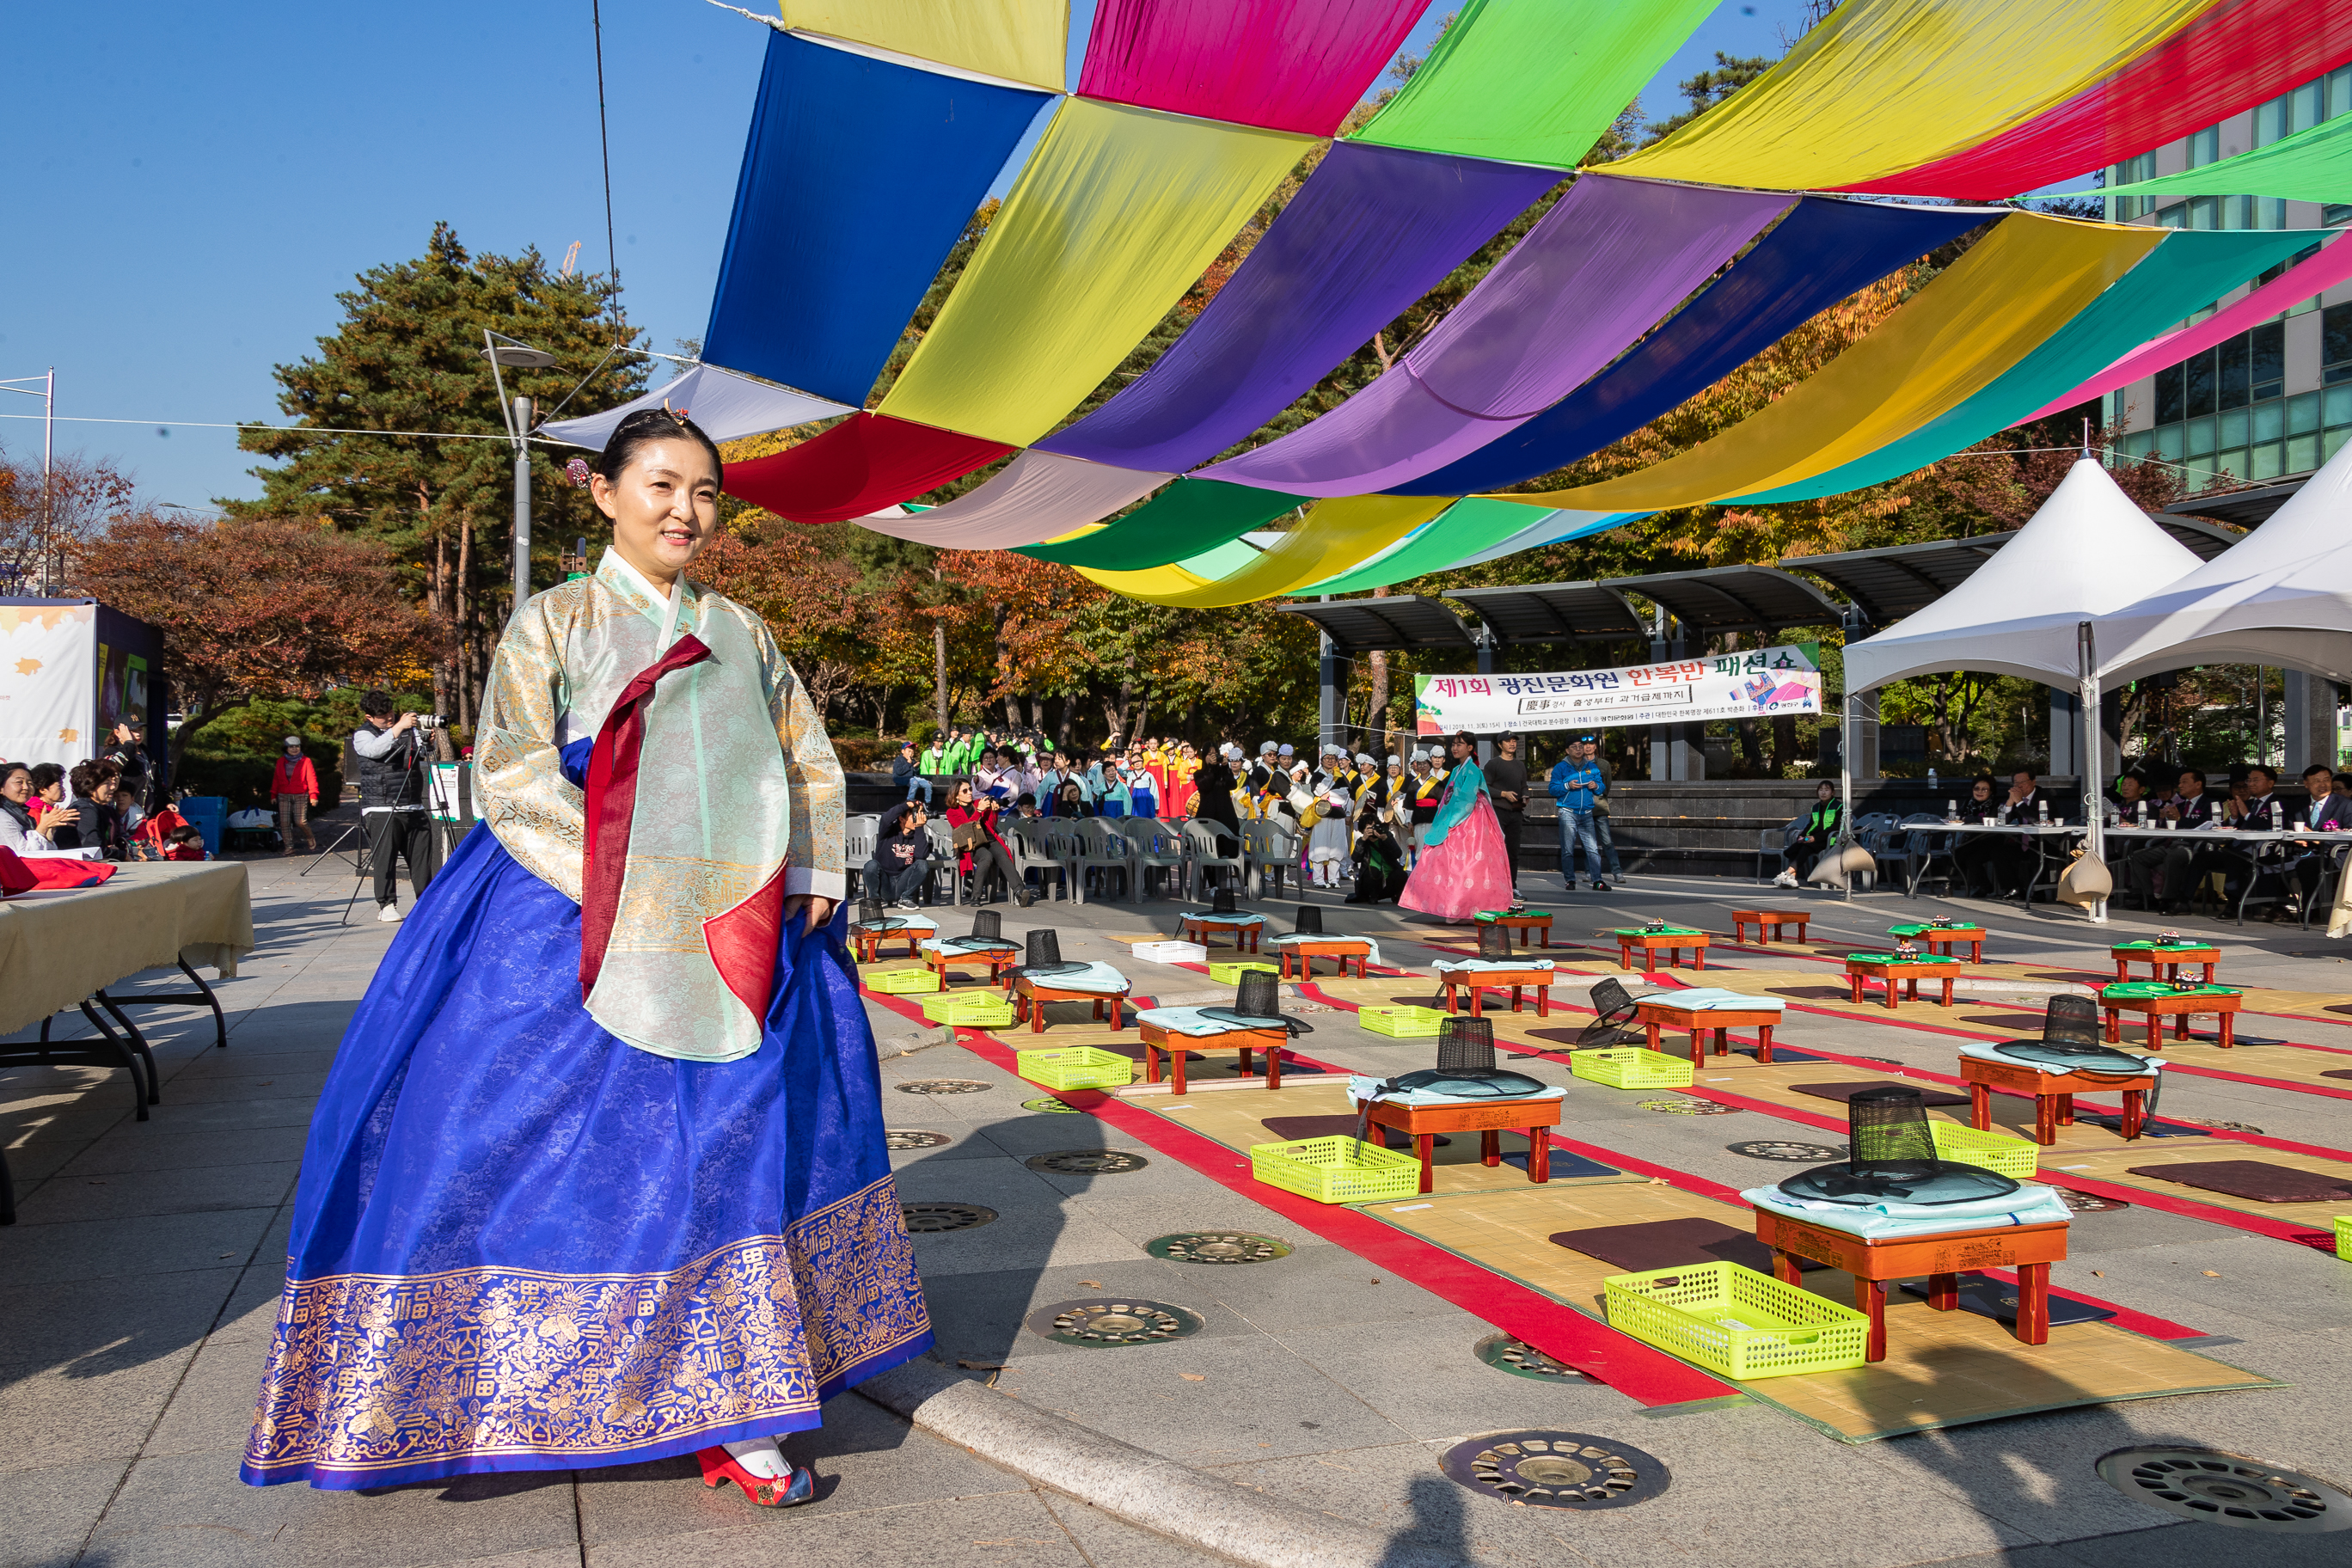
x=520, y=1243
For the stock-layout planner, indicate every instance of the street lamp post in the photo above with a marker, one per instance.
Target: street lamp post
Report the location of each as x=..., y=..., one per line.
x=48, y=396
x=500, y=350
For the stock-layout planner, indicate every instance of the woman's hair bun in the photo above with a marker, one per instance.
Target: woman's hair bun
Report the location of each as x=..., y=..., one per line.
x=644, y=428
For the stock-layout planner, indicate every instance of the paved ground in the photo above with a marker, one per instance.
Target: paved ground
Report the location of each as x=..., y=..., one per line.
x=136, y=1298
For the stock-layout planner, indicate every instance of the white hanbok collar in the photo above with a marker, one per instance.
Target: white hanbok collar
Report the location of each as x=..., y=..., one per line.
x=672, y=601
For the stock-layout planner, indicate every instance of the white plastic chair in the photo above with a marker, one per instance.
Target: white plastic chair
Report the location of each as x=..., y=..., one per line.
x=1157, y=846
x=1204, y=844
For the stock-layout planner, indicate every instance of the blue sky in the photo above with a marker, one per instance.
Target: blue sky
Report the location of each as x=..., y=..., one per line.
x=193, y=184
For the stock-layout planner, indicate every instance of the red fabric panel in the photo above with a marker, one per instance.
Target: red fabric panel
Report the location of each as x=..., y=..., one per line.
x=612, y=800
x=2244, y=53
x=742, y=944
x=1287, y=65
x=862, y=465
x=18, y=874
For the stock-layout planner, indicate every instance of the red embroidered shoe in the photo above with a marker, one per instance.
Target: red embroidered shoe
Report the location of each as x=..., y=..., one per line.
x=720, y=1467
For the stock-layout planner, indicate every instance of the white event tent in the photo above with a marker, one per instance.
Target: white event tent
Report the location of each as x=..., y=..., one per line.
x=726, y=405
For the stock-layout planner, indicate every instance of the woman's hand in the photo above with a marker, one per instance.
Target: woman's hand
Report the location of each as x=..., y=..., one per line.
x=59, y=816
x=815, y=911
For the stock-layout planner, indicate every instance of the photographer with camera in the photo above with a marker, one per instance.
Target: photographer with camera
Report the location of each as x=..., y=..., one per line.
x=392, y=797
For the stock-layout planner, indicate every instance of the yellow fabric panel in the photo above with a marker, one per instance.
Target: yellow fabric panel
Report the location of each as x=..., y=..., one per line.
x=1886, y=85
x=1116, y=215
x=1021, y=41
x=2021, y=282
x=1332, y=538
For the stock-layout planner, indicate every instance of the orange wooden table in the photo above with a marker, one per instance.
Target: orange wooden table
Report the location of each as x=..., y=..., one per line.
x=1650, y=943
x=867, y=941
x=1945, y=939
x=1537, y=922
x=2052, y=1094
x=1659, y=1012
x=2179, y=1006
x=2030, y=1249
x=2166, y=962
x=1768, y=924
x=1478, y=982
x=1897, y=974
x=995, y=960
x=1201, y=927
x=1029, y=999
x=1342, y=948
x=1490, y=1119
x=1157, y=1039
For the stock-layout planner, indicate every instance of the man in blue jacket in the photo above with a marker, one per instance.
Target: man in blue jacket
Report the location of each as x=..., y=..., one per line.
x=1578, y=784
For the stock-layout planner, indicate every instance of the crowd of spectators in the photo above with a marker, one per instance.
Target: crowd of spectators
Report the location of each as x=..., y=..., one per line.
x=103, y=803
x=2162, y=874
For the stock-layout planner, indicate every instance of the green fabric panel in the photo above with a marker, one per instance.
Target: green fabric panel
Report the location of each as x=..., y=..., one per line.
x=2188, y=271
x=1187, y=518
x=2313, y=165
x=1533, y=81
x=1223, y=561
x=1463, y=529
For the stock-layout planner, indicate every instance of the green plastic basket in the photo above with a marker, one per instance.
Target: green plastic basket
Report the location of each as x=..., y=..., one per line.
x=1735, y=1321
x=1634, y=1067
x=903, y=982
x=1400, y=1023
x=1336, y=1170
x=2344, y=1236
x=1996, y=1151
x=1231, y=974
x=1076, y=1067
x=971, y=1009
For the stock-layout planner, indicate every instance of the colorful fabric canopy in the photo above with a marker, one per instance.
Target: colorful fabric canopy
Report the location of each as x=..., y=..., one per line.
x=1020, y=40
x=1333, y=534
x=1037, y=497
x=1373, y=229
x=2313, y=165
x=1556, y=528
x=1612, y=257
x=2290, y=287
x=1287, y=65
x=727, y=406
x=2240, y=54
x=2186, y=271
x=1989, y=309
x=1532, y=82
x=867, y=462
x=1882, y=86
x=1822, y=251
x=858, y=176
x=1465, y=528
x=1118, y=213
x=1190, y=515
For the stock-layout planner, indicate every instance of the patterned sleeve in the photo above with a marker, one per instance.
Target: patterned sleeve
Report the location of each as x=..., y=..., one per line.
x=816, y=854
x=520, y=789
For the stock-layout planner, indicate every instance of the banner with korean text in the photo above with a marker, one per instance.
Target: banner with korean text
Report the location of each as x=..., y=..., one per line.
x=1754, y=683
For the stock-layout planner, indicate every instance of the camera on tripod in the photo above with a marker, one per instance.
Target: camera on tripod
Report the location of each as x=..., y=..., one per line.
x=432, y=720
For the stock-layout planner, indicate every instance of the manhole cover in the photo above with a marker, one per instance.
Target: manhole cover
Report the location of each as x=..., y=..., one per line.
x=1794, y=1153
x=2227, y=1489
x=1098, y=1321
x=914, y=1138
x=1521, y=1359
x=1216, y=1247
x=1088, y=1162
x=925, y=1219
x=1688, y=1106
x=1555, y=1469
x=1051, y=1107
x=2089, y=1203
x=943, y=1086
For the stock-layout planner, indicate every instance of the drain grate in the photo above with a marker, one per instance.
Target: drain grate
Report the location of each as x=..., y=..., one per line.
x=1689, y=1107
x=1216, y=1247
x=943, y=1086
x=1098, y=1322
x=2089, y=1203
x=2227, y=1489
x=1088, y=1162
x=928, y=1219
x=914, y=1138
x=1555, y=1469
x=1793, y=1153
x=1051, y=1107
x=1521, y=1359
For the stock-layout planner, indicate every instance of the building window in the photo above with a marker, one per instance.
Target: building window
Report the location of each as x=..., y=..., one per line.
x=2335, y=345
x=2267, y=356
x=2205, y=147
x=2201, y=374
x=2231, y=383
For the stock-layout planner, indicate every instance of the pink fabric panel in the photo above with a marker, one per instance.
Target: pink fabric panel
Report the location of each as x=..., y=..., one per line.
x=1286, y=65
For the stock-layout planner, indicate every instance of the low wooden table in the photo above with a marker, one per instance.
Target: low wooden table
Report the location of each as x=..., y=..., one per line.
x=1649, y=944
x=2030, y=1249
x=1030, y=995
x=1537, y=922
x=1658, y=1013
x=996, y=961
x=1489, y=1118
x=2166, y=962
x=1899, y=973
x=1478, y=982
x=1768, y=924
x=1342, y=948
x=2179, y=1006
x=1158, y=1038
x=868, y=943
x=1948, y=939
x=1195, y=929
x=2052, y=1094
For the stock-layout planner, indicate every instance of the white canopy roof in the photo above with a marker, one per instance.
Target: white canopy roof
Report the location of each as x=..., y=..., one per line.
x=727, y=406
x=2281, y=595
x=2087, y=552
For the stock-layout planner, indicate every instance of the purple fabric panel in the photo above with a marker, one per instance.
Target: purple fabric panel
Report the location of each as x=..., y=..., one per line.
x=1372, y=230
x=1291, y=65
x=1602, y=268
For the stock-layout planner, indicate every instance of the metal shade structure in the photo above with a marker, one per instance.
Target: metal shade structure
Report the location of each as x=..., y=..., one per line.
x=1734, y=599
x=1402, y=621
x=1888, y=584
x=1555, y=613
x=2242, y=509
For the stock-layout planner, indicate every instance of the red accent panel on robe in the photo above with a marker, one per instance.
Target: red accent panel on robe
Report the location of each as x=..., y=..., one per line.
x=612, y=805
x=742, y=942
x=865, y=463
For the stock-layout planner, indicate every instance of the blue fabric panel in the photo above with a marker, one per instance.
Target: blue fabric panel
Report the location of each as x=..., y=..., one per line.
x=1818, y=254
x=858, y=176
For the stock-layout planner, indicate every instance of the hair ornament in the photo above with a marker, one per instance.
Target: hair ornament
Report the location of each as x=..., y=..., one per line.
x=577, y=471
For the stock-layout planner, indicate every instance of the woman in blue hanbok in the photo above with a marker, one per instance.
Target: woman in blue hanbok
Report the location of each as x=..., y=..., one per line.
x=598, y=1175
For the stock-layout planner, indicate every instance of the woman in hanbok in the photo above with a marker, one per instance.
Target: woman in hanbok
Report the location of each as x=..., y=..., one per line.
x=1328, y=842
x=598, y=1174
x=1462, y=867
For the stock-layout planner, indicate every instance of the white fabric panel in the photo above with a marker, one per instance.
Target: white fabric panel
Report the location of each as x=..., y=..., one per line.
x=726, y=405
x=49, y=705
x=1039, y=496
x=2084, y=556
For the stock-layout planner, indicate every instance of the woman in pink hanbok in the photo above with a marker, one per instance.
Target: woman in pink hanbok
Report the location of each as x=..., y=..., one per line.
x=1464, y=866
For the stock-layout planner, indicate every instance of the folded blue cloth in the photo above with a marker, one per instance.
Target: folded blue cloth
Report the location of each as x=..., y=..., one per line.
x=2032, y=1204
